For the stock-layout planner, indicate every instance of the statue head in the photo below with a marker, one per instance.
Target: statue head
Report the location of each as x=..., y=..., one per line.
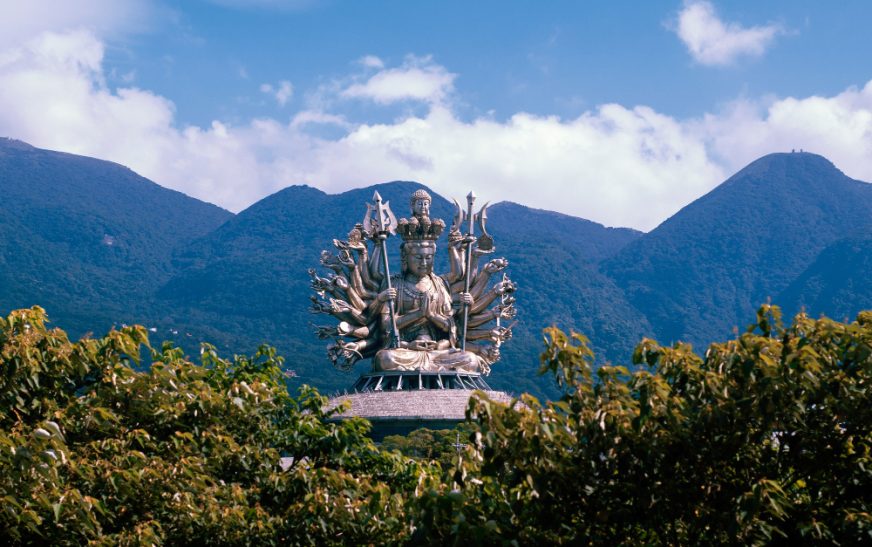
x=417, y=257
x=420, y=203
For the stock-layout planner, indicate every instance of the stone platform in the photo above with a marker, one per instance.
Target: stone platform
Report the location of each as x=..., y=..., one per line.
x=397, y=403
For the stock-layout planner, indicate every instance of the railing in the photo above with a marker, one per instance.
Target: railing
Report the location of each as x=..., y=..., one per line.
x=418, y=380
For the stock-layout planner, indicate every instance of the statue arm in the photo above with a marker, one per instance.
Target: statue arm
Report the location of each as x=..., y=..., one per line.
x=498, y=334
x=404, y=320
x=500, y=288
x=480, y=334
x=476, y=254
x=343, y=311
x=375, y=273
x=484, y=317
x=363, y=271
x=409, y=319
x=354, y=275
x=483, y=277
x=503, y=310
x=455, y=262
x=354, y=298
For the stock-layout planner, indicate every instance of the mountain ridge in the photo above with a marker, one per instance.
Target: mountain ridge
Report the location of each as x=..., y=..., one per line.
x=97, y=245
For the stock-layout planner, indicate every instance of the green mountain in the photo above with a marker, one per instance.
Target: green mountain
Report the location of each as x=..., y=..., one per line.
x=704, y=271
x=89, y=240
x=837, y=284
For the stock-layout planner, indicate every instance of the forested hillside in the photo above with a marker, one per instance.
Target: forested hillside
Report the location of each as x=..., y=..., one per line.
x=703, y=271
x=88, y=239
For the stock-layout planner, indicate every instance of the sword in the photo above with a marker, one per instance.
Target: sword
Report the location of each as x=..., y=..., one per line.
x=386, y=224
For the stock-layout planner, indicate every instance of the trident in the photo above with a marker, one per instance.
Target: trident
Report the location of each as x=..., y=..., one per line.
x=485, y=243
x=385, y=224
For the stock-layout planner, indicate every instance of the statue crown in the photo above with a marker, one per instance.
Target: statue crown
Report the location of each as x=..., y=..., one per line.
x=420, y=228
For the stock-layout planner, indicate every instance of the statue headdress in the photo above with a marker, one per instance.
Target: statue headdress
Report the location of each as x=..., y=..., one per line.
x=420, y=228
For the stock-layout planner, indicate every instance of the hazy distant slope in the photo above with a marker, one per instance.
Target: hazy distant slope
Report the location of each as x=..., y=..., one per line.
x=88, y=239
x=250, y=275
x=838, y=283
x=705, y=270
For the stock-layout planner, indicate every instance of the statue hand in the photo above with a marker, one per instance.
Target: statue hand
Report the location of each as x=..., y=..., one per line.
x=425, y=305
x=496, y=265
x=491, y=354
x=501, y=334
x=505, y=287
x=340, y=282
x=466, y=299
x=508, y=312
x=387, y=294
x=346, y=258
x=423, y=345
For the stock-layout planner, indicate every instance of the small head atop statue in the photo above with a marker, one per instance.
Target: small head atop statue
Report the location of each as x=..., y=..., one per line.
x=420, y=226
x=420, y=203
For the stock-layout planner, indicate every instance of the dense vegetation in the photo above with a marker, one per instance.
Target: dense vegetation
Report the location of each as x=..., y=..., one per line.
x=768, y=437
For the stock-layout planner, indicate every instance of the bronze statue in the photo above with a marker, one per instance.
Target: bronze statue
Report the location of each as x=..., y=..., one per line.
x=415, y=320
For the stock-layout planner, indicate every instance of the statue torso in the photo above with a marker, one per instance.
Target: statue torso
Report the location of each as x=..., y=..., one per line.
x=410, y=294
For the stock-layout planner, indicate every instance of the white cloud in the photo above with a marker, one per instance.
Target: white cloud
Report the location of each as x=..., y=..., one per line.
x=21, y=20
x=418, y=79
x=712, y=42
x=317, y=117
x=612, y=164
x=282, y=93
x=838, y=127
x=371, y=61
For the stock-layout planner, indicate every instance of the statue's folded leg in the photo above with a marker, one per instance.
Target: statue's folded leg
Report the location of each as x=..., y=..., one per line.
x=434, y=360
x=456, y=360
x=401, y=359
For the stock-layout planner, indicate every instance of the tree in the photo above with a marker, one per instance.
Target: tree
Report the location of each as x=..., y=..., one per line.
x=93, y=450
x=766, y=438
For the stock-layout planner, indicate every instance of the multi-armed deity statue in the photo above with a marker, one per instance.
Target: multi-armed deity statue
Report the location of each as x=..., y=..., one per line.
x=415, y=320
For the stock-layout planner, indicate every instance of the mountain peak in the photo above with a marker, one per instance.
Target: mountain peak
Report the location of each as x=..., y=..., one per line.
x=793, y=166
x=14, y=144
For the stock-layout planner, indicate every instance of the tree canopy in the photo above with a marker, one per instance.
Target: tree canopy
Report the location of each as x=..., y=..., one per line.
x=765, y=438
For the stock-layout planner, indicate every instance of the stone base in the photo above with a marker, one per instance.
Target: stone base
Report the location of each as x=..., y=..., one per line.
x=397, y=403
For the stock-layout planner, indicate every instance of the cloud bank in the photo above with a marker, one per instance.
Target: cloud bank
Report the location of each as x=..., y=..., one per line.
x=618, y=165
x=710, y=41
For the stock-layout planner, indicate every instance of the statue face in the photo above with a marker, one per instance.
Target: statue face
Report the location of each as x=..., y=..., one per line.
x=421, y=207
x=419, y=260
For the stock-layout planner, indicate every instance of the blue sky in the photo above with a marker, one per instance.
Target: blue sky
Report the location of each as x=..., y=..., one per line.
x=620, y=112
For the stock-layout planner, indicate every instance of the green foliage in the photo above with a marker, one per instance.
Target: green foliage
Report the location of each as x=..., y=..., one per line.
x=93, y=450
x=440, y=446
x=767, y=438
